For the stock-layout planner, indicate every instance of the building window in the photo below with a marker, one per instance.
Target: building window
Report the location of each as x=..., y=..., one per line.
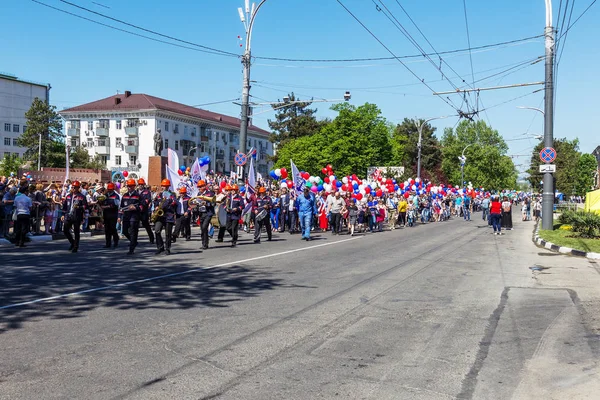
x=117, y=160
x=90, y=143
x=133, y=160
x=166, y=126
x=103, y=159
x=119, y=124
x=166, y=143
x=104, y=124
x=24, y=128
x=118, y=142
x=90, y=125
x=177, y=145
x=73, y=142
x=193, y=132
x=103, y=142
x=7, y=142
x=7, y=127
x=15, y=142
x=176, y=129
x=16, y=128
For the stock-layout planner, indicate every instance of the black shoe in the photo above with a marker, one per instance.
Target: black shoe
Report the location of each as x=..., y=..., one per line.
x=308, y=239
x=107, y=246
x=257, y=241
x=22, y=245
x=71, y=247
x=219, y=241
x=167, y=252
x=173, y=240
x=116, y=244
x=74, y=250
x=130, y=252
x=188, y=239
x=159, y=251
x=152, y=242
x=204, y=247
x=269, y=239
x=233, y=244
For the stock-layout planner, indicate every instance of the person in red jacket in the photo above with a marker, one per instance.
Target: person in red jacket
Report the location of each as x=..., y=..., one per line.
x=496, y=214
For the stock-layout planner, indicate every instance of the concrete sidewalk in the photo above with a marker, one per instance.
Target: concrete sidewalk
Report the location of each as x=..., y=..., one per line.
x=566, y=362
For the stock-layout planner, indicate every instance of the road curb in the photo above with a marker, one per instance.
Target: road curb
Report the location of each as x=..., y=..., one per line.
x=561, y=249
x=42, y=238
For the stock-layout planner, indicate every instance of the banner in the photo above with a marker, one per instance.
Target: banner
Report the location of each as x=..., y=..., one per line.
x=172, y=159
x=251, y=189
x=177, y=183
x=299, y=181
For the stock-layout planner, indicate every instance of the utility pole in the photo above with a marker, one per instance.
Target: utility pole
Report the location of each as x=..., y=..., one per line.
x=548, y=190
x=247, y=16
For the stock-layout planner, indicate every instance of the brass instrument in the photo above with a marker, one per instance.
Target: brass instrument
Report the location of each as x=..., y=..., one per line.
x=101, y=198
x=197, y=200
x=158, y=211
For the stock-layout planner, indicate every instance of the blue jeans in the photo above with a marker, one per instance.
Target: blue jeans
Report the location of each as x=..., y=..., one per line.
x=496, y=222
x=305, y=223
x=486, y=214
x=467, y=213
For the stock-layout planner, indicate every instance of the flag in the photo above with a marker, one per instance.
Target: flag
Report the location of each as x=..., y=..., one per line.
x=68, y=163
x=251, y=189
x=172, y=159
x=252, y=153
x=259, y=177
x=299, y=181
x=173, y=177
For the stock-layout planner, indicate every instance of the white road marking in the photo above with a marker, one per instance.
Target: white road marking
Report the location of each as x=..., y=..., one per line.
x=61, y=296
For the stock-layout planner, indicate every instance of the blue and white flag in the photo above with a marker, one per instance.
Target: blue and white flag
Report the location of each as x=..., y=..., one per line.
x=299, y=181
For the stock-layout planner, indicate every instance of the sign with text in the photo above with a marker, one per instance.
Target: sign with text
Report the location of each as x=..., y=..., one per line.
x=548, y=168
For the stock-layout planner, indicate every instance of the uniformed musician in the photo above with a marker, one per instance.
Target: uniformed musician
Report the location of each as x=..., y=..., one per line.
x=183, y=216
x=235, y=205
x=222, y=199
x=110, y=210
x=146, y=199
x=167, y=203
x=73, y=207
x=130, y=212
x=206, y=210
x=262, y=208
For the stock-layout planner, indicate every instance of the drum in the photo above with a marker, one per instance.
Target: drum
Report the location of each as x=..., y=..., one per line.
x=261, y=215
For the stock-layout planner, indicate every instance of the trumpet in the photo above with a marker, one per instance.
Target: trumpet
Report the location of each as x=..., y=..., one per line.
x=199, y=199
x=101, y=198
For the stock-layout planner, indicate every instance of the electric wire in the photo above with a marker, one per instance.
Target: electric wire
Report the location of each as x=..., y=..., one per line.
x=447, y=101
x=216, y=102
x=149, y=30
x=470, y=53
x=126, y=31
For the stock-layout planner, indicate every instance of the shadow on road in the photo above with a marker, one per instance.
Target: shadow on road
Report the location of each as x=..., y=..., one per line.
x=34, y=275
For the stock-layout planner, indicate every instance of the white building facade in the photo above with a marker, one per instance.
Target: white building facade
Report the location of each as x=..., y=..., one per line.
x=120, y=130
x=16, y=96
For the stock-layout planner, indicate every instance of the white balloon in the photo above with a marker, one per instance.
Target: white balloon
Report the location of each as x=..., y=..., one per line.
x=278, y=172
x=283, y=185
x=345, y=180
x=332, y=178
x=418, y=180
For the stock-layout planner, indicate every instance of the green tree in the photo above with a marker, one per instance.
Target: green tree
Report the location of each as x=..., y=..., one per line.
x=405, y=149
x=585, y=174
x=357, y=138
x=293, y=119
x=9, y=164
x=567, y=162
x=42, y=119
x=80, y=158
x=487, y=164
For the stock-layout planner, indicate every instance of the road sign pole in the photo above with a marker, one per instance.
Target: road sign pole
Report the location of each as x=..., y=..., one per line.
x=548, y=190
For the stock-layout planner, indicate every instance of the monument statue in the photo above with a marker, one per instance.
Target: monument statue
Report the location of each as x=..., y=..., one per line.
x=158, y=142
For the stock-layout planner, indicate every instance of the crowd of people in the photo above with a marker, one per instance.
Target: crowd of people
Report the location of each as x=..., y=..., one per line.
x=121, y=209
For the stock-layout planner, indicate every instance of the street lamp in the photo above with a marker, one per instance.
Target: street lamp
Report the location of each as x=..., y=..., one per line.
x=247, y=17
x=287, y=102
x=531, y=108
x=420, y=128
x=190, y=152
x=463, y=160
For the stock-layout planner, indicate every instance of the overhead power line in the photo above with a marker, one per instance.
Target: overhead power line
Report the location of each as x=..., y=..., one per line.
x=394, y=55
x=128, y=32
x=149, y=30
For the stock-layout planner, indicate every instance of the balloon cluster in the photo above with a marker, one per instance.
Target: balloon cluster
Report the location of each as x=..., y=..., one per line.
x=279, y=173
x=204, y=161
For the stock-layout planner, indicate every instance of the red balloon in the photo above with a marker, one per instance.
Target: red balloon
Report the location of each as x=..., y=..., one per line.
x=330, y=172
x=289, y=184
x=180, y=172
x=367, y=189
x=329, y=167
x=378, y=193
x=326, y=179
x=389, y=181
x=324, y=171
x=354, y=177
x=401, y=185
x=284, y=173
x=359, y=196
x=222, y=184
x=125, y=173
x=305, y=175
x=406, y=195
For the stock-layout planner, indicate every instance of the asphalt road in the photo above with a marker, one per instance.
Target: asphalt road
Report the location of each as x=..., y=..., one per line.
x=438, y=311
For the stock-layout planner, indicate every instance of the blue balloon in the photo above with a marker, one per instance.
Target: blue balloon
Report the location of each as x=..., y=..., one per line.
x=273, y=175
x=320, y=187
x=356, y=191
x=182, y=168
x=355, y=186
x=396, y=187
x=370, y=204
x=338, y=184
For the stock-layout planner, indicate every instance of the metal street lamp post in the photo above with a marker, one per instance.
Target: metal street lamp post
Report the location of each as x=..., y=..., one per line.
x=463, y=160
x=190, y=152
x=420, y=128
x=247, y=17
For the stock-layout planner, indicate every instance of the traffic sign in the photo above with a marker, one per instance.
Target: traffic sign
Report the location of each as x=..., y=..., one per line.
x=548, y=155
x=547, y=168
x=240, y=159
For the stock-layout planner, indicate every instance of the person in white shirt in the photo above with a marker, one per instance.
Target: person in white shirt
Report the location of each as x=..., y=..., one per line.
x=23, y=205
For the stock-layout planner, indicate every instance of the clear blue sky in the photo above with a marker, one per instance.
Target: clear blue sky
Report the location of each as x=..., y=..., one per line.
x=86, y=62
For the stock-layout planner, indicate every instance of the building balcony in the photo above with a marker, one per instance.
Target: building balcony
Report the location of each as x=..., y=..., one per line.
x=73, y=131
x=105, y=150
x=131, y=149
x=220, y=156
x=102, y=132
x=131, y=130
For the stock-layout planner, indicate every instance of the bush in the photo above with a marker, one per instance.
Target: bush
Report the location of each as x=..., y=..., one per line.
x=587, y=224
x=567, y=217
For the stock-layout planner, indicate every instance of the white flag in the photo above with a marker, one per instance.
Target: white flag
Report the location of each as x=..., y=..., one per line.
x=172, y=159
x=251, y=178
x=299, y=181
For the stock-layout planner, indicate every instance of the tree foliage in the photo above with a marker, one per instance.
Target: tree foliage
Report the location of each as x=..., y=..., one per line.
x=10, y=164
x=357, y=138
x=405, y=142
x=567, y=163
x=43, y=119
x=293, y=120
x=80, y=158
x=586, y=168
x=487, y=164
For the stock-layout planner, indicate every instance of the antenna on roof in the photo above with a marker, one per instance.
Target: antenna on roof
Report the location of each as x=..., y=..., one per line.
x=118, y=92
